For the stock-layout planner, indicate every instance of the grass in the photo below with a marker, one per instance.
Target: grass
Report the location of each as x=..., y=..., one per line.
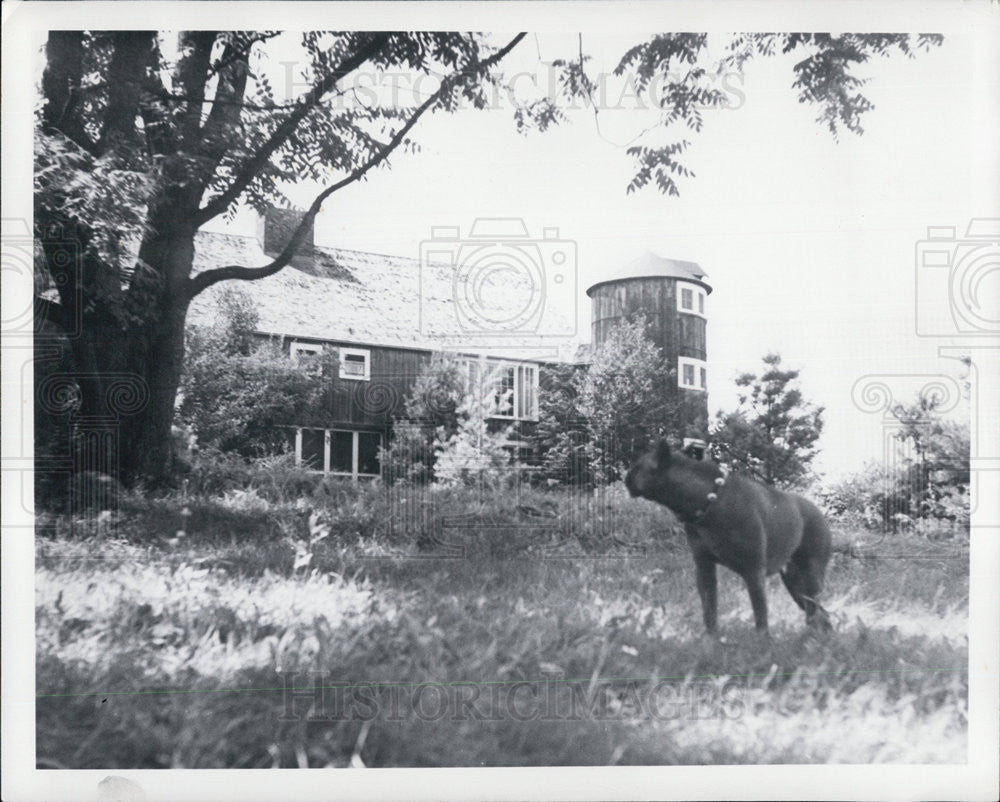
x=352, y=627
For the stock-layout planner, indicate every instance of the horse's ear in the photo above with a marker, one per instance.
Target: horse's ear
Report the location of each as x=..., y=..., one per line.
x=662, y=453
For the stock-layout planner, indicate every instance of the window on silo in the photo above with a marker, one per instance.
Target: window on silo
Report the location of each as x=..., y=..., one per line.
x=692, y=374
x=690, y=298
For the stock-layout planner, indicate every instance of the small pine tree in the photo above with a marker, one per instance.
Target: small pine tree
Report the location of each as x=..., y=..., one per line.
x=472, y=454
x=772, y=435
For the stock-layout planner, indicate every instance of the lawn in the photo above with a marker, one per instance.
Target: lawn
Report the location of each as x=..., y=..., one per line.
x=360, y=626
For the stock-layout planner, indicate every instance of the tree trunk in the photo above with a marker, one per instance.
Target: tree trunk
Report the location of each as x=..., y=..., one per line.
x=156, y=349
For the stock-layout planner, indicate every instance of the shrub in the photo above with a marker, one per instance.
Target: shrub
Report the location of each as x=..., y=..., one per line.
x=593, y=421
x=237, y=402
x=472, y=454
x=432, y=405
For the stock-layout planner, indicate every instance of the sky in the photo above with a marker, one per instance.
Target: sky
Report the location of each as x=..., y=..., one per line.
x=810, y=244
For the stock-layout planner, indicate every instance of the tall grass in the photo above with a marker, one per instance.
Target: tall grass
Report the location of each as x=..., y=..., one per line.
x=467, y=628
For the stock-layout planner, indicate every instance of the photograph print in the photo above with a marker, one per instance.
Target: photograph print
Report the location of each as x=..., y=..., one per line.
x=432, y=398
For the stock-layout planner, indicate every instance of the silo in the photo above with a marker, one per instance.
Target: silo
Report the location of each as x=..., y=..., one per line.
x=672, y=295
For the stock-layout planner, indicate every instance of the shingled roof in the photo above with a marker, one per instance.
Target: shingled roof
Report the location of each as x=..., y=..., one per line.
x=649, y=265
x=365, y=298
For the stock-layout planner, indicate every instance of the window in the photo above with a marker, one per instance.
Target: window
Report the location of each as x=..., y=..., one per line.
x=355, y=363
x=339, y=451
x=512, y=390
x=692, y=374
x=313, y=449
x=368, y=445
x=690, y=298
x=304, y=353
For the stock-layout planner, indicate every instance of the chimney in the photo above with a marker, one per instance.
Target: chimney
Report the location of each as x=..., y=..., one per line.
x=275, y=228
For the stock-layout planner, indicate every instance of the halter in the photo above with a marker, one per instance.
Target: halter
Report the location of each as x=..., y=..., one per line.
x=720, y=482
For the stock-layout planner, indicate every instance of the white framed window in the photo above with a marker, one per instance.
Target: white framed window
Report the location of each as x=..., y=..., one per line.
x=692, y=374
x=340, y=452
x=356, y=364
x=690, y=298
x=511, y=388
x=303, y=353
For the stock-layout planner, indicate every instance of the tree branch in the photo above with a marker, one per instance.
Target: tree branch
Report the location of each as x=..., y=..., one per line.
x=256, y=162
x=204, y=280
x=61, y=87
x=130, y=60
x=192, y=70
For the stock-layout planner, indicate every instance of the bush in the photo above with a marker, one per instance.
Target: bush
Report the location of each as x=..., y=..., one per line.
x=594, y=421
x=276, y=479
x=432, y=405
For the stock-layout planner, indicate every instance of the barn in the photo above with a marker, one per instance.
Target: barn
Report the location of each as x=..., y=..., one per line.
x=382, y=317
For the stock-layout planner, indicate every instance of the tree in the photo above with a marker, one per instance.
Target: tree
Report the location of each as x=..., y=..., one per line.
x=147, y=137
x=593, y=422
x=473, y=454
x=235, y=392
x=431, y=408
x=772, y=434
x=934, y=481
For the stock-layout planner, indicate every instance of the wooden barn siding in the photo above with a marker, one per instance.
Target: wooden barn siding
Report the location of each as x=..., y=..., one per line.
x=377, y=401
x=676, y=333
x=374, y=403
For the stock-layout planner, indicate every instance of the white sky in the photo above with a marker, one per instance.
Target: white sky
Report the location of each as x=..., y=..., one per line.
x=808, y=243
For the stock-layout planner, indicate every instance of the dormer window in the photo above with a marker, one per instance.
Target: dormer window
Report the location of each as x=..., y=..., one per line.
x=692, y=374
x=355, y=364
x=690, y=299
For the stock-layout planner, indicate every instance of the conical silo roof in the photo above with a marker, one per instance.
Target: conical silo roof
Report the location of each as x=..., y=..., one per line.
x=649, y=265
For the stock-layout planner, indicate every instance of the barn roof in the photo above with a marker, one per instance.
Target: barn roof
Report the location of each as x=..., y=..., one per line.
x=364, y=298
x=649, y=265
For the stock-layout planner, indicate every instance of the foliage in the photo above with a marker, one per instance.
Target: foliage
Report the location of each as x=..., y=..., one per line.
x=926, y=491
x=624, y=395
x=236, y=393
x=473, y=454
x=594, y=420
x=432, y=406
x=582, y=660
x=143, y=137
x=772, y=434
x=559, y=438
